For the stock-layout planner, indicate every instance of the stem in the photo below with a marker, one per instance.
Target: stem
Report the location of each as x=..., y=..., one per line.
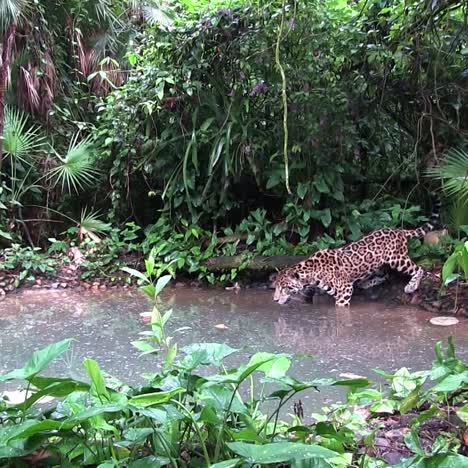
x=221, y=429
x=284, y=98
x=197, y=430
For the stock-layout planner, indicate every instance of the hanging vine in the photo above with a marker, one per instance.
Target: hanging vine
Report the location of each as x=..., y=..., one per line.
x=284, y=97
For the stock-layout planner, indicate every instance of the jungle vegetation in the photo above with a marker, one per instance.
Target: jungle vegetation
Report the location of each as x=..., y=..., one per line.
x=200, y=128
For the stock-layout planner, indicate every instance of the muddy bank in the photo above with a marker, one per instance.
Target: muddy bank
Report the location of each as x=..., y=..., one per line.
x=452, y=300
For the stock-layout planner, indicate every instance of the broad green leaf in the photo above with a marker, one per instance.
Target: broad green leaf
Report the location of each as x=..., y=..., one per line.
x=451, y=383
x=89, y=413
x=280, y=452
x=161, y=284
x=138, y=434
x=275, y=365
x=232, y=463
x=98, y=384
x=136, y=274
x=462, y=413
x=220, y=397
x=410, y=401
x=205, y=354
x=56, y=389
x=38, y=361
x=446, y=460
x=30, y=428
x=155, y=398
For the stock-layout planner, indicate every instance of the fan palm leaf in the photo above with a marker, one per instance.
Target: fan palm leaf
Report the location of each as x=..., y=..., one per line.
x=76, y=169
x=91, y=225
x=13, y=11
x=20, y=141
x=453, y=174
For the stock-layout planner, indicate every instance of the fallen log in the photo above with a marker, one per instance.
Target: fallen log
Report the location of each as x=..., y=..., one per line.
x=259, y=263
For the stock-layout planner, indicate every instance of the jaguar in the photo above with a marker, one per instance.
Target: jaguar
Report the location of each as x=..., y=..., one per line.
x=337, y=271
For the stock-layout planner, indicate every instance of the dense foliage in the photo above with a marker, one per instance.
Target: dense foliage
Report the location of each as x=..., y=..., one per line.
x=284, y=126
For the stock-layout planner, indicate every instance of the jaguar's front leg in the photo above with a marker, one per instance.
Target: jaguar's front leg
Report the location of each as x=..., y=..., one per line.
x=343, y=295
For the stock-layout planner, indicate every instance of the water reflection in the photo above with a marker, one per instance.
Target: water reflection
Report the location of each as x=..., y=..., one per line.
x=354, y=340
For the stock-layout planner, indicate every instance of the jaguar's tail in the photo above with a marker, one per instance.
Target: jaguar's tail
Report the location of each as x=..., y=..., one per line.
x=429, y=226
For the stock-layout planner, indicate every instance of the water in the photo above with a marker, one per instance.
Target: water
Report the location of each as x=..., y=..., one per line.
x=103, y=324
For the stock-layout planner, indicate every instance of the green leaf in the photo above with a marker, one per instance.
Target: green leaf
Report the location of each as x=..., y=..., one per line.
x=446, y=460
x=410, y=401
x=161, y=284
x=94, y=411
x=451, y=383
x=98, y=384
x=156, y=398
x=462, y=413
x=38, y=361
x=171, y=355
x=30, y=428
x=55, y=388
x=136, y=274
x=232, y=463
x=275, y=365
x=144, y=346
x=219, y=398
x=205, y=354
x=302, y=189
x=321, y=185
x=325, y=217
x=280, y=452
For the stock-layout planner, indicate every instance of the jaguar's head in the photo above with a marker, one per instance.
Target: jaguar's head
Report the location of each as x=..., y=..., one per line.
x=287, y=283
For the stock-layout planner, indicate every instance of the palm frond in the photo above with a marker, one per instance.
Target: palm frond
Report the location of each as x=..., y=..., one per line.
x=75, y=170
x=20, y=142
x=91, y=225
x=458, y=215
x=157, y=14
x=453, y=174
x=13, y=11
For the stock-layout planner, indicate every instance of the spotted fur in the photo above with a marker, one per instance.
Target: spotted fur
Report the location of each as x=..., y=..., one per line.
x=336, y=271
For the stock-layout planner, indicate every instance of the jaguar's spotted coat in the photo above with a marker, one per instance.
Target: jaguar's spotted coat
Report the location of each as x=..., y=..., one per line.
x=335, y=271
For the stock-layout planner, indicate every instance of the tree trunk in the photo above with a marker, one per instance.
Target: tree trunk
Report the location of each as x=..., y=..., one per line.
x=5, y=61
x=259, y=263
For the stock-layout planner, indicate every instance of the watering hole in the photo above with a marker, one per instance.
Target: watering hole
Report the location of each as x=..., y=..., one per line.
x=368, y=335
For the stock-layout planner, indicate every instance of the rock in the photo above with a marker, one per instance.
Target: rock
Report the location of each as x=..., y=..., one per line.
x=102, y=287
x=54, y=285
x=179, y=285
x=3, y=284
x=2, y=294
x=63, y=285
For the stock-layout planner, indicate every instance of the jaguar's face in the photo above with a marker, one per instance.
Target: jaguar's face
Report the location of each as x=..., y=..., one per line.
x=287, y=283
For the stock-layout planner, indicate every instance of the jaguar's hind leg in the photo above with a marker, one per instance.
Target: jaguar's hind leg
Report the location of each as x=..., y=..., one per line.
x=343, y=295
x=406, y=265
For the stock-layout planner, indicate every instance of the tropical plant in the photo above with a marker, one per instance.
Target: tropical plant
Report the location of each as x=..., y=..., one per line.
x=456, y=265
x=453, y=174
x=75, y=170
